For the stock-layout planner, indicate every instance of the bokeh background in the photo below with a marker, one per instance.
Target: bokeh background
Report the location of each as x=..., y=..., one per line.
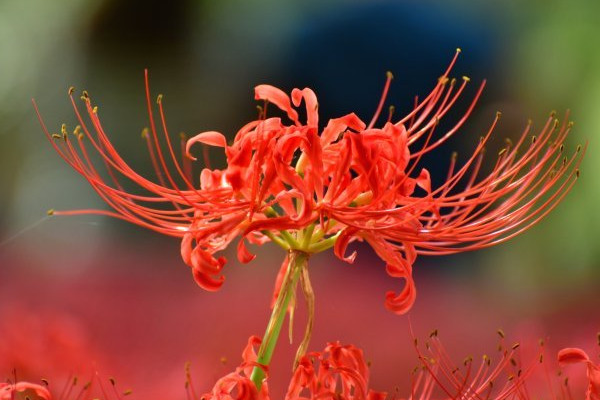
x=81, y=291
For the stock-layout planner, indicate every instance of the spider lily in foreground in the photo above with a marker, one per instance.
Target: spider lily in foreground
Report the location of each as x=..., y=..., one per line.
x=309, y=189
x=341, y=373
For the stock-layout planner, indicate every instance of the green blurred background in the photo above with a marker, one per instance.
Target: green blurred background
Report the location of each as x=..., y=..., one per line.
x=205, y=57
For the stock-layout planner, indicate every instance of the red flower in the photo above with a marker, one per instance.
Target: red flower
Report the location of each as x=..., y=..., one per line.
x=309, y=190
x=574, y=355
x=22, y=391
x=236, y=385
x=72, y=390
x=340, y=373
x=500, y=376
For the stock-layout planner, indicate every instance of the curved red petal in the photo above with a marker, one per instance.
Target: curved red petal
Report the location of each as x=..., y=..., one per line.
x=243, y=255
x=571, y=355
x=277, y=97
x=312, y=105
x=339, y=248
x=424, y=180
x=206, y=282
x=401, y=303
x=186, y=248
x=337, y=126
x=204, y=267
x=211, y=138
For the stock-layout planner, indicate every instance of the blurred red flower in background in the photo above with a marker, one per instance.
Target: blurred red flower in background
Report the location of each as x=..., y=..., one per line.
x=35, y=343
x=575, y=355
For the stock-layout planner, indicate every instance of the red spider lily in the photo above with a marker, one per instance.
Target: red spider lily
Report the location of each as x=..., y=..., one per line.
x=310, y=190
x=574, y=355
x=236, y=385
x=340, y=373
x=502, y=378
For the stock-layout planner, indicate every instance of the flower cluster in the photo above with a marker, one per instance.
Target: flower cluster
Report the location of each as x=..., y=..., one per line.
x=309, y=188
x=340, y=372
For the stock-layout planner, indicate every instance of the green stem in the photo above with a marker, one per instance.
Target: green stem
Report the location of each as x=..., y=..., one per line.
x=307, y=236
x=275, y=239
x=271, y=213
x=296, y=263
x=324, y=244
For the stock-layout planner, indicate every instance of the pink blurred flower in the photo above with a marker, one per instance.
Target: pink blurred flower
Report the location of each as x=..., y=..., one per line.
x=72, y=390
x=573, y=356
x=23, y=391
x=36, y=343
